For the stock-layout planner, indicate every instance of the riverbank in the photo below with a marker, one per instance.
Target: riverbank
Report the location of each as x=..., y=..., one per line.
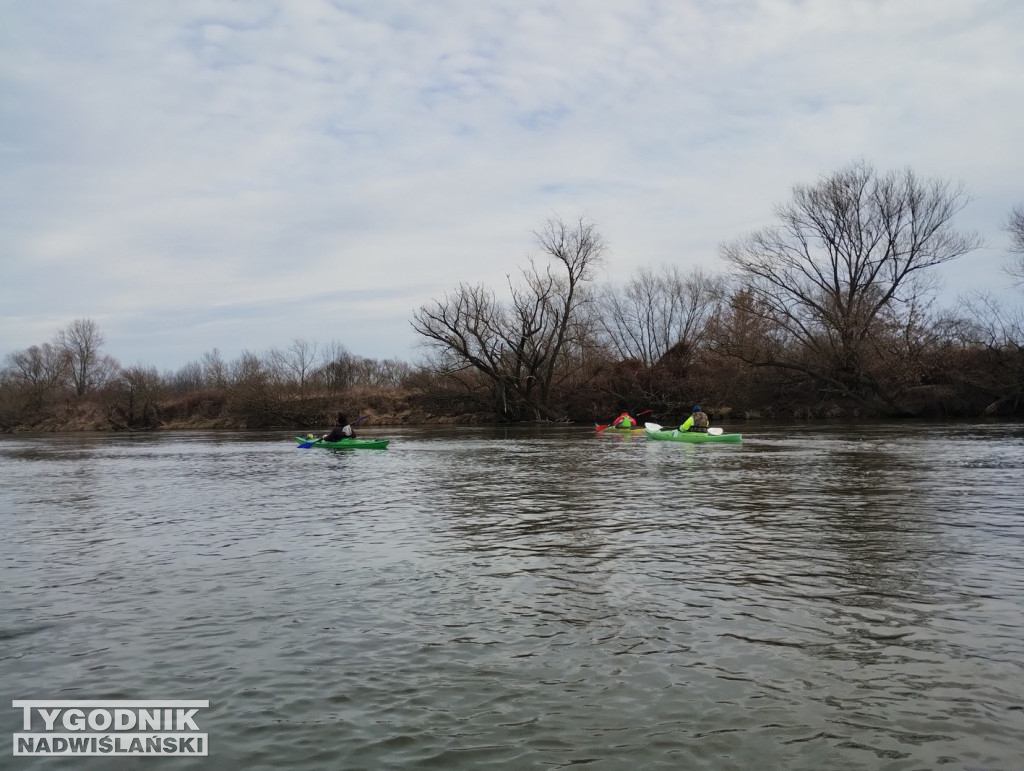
x=251, y=408
x=213, y=413
x=95, y=417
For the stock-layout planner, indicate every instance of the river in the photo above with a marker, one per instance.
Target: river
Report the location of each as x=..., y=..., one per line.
x=821, y=596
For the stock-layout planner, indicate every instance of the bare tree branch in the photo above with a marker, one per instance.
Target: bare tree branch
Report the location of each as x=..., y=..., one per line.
x=843, y=266
x=519, y=346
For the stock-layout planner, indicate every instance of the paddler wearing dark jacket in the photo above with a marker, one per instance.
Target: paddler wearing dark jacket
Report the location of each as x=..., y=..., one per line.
x=341, y=431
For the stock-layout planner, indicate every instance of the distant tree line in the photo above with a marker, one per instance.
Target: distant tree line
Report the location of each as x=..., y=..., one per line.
x=71, y=384
x=830, y=312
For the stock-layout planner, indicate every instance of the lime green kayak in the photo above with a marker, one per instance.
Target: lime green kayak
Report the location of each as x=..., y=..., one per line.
x=691, y=437
x=344, y=444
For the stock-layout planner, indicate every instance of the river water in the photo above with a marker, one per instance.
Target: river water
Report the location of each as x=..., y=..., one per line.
x=818, y=597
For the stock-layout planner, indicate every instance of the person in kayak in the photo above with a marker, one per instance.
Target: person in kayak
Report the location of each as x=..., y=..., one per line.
x=698, y=421
x=341, y=431
x=624, y=421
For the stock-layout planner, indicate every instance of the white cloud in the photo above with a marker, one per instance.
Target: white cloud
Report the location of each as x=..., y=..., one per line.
x=199, y=175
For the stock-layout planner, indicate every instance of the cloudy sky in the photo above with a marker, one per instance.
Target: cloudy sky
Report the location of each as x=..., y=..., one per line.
x=236, y=175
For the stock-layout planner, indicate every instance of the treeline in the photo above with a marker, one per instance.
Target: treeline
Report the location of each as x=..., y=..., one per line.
x=829, y=313
x=71, y=384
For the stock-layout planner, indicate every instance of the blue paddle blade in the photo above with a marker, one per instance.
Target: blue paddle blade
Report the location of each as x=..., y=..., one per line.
x=307, y=445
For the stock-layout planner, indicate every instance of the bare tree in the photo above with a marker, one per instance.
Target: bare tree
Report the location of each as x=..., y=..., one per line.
x=520, y=346
x=340, y=369
x=143, y=389
x=187, y=378
x=81, y=341
x=1015, y=227
x=337, y=368
x=658, y=313
x=250, y=369
x=987, y=327
x=846, y=263
x=390, y=373
x=253, y=393
x=465, y=331
x=296, y=363
x=215, y=369
x=38, y=370
x=556, y=299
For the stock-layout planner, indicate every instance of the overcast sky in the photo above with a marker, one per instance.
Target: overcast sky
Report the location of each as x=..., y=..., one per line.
x=235, y=175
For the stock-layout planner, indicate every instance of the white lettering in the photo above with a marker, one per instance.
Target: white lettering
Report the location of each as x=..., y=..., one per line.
x=74, y=720
x=185, y=719
x=108, y=727
x=122, y=744
x=49, y=717
x=149, y=719
x=99, y=719
x=80, y=745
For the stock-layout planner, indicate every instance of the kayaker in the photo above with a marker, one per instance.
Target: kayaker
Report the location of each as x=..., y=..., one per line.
x=341, y=431
x=698, y=421
x=624, y=421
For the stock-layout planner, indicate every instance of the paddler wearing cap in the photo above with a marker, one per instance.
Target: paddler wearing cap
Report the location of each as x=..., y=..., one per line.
x=698, y=421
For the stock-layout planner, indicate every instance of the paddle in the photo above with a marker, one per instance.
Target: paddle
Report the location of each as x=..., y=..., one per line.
x=307, y=445
x=655, y=427
x=602, y=427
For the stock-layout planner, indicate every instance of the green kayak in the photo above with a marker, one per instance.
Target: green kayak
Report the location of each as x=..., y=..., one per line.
x=691, y=437
x=344, y=444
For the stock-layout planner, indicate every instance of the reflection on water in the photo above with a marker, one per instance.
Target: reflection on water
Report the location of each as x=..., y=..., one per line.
x=818, y=597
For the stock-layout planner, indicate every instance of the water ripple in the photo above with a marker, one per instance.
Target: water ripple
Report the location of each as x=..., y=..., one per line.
x=817, y=597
